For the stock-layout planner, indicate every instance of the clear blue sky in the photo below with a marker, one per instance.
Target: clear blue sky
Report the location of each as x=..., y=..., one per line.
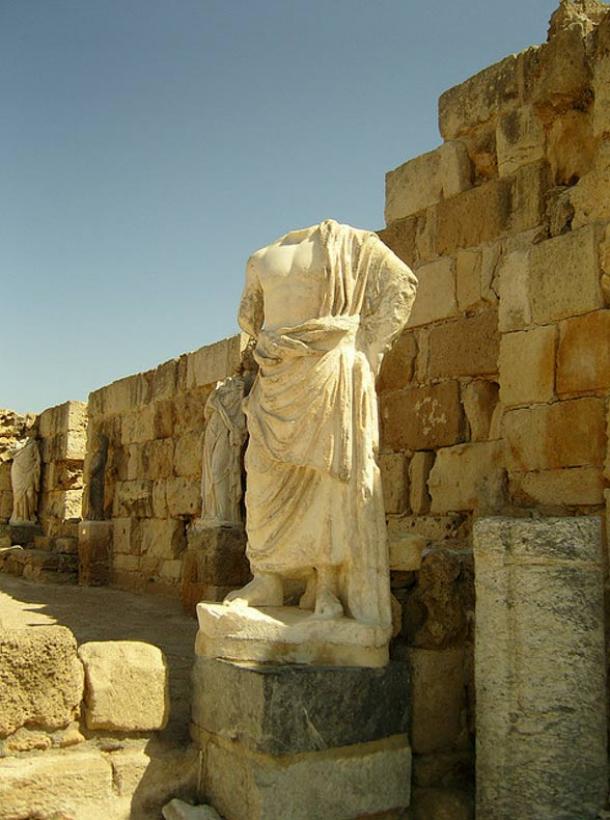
x=149, y=146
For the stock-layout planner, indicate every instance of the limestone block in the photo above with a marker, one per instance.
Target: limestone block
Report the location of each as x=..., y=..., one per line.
x=520, y=139
x=149, y=772
x=337, y=783
x=127, y=686
x=400, y=238
x=467, y=477
x=189, y=409
x=589, y=197
x=419, y=470
x=398, y=364
x=583, y=360
x=435, y=298
x=479, y=99
x=71, y=415
x=55, y=784
x=41, y=678
x=564, y=276
x=430, y=527
x=133, y=498
x=423, y=181
x=480, y=399
x=281, y=710
x=437, y=692
x=573, y=486
x=556, y=73
x=215, y=362
x=474, y=217
x=439, y=608
x=163, y=537
x=406, y=550
x=570, y=147
x=565, y=434
x=165, y=380
x=541, y=705
x=413, y=186
x=601, y=91
x=466, y=347
x=530, y=196
x=138, y=426
x=418, y=418
x=183, y=495
x=68, y=475
x=62, y=504
x=468, y=278
x=171, y=571
x=187, y=460
x=164, y=418
x=425, y=237
x=151, y=460
x=5, y=477
x=125, y=394
x=456, y=168
x=222, y=555
x=527, y=366
x=127, y=536
x=447, y=769
x=125, y=563
x=514, y=311
x=395, y=479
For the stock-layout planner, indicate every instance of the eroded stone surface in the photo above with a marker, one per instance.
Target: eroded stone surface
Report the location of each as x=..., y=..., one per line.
x=126, y=686
x=41, y=678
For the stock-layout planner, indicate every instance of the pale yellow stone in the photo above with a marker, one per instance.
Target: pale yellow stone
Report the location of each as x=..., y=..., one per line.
x=163, y=538
x=394, y=477
x=406, y=550
x=601, y=91
x=520, y=139
x=480, y=398
x=590, y=196
x=573, y=486
x=127, y=686
x=527, y=366
x=467, y=477
x=514, y=311
x=436, y=297
x=438, y=698
x=183, y=495
x=419, y=470
x=215, y=362
x=564, y=276
x=468, y=278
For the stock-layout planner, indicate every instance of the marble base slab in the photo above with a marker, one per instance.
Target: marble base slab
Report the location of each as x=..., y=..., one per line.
x=287, y=635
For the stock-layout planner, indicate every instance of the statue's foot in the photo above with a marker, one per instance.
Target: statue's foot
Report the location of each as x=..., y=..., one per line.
x=308, y=598
x=328, y=606
x=263, y=590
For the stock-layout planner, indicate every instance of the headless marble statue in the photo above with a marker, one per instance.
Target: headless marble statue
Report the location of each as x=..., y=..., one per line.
x=323, y=304
x=225, y=434
x=25, y=483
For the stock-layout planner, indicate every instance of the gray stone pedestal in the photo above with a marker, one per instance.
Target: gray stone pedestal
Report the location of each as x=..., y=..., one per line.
x=301, y=742
x=540, y=669
x=214, y=564
x=23, y=534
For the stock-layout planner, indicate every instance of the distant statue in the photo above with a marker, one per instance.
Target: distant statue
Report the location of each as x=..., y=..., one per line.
x=225, y=434
x=324, y=304
x=25, y=482
x=97, y=477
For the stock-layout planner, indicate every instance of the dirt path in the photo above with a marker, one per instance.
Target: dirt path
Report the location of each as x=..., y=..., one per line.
x=104, y=614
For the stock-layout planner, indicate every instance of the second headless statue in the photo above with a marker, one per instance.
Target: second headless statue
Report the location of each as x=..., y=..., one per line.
x=324, y=304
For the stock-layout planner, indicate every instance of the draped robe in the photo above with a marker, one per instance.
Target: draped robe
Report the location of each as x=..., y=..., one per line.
x=313, y=493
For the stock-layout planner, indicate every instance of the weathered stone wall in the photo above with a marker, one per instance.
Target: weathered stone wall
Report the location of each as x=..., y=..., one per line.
x=62, y=436
x=154, y=422
x=13, y=428
x=495, y=398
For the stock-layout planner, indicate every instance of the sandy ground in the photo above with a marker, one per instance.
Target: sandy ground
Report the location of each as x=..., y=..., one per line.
x=104, y=614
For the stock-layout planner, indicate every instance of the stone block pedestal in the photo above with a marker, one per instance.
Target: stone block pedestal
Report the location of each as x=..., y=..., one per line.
x=94, y=552
x=214, y=564
x=540, y=668
x=302, y=742
x=22, y=534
